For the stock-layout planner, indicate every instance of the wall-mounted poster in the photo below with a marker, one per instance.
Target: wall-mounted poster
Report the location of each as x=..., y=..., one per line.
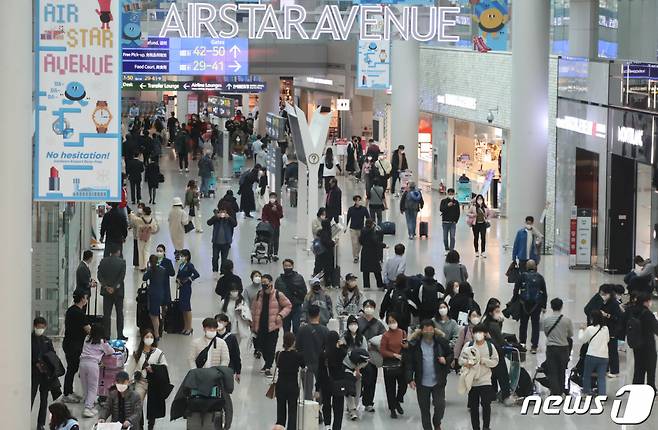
x=373, y=64
x=490, y=17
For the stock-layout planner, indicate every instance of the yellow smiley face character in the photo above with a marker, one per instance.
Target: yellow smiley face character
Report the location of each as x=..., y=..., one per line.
x=491, y=16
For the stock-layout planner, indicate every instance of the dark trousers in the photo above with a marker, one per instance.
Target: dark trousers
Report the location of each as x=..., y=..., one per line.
x=396, y=387
x=112, y=301
x=613, y=356
x=72, y=366
x=378, y=278
x=152, y=193
x=291, y=322
x=336, y=404
x=376, y=214
x=534, y=316
x=480, y=396
x=645, y=365
x=480, y=235
x=217, y=249
x=286, y=406
x=557, y=360
x=135, y=191
x=368, y=384
x=437, y=394
x=109, y=246
x=275, y=240
x=267, y=345
x=40, y=384
x=394, y=179
x=500, y=376
x=183, y=161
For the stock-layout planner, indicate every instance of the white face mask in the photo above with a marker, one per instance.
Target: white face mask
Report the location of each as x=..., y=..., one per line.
x=369, y=311
x=393, y=326
x=272, y=201
x=160, y=255
x=528, y=226
x=148, y=341
x=221, y=327
x=353, y=327
x=443, y=311
x=211, y=334
x=121, y=387
x=235, y=294
x=475, y=320
x=479, y=337
x=39, y=331
x=256, y=280
x=498, y=316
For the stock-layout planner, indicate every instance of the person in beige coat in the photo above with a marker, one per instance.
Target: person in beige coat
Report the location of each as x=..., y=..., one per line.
x=178, y=219
x=218, y=354
x=144, y=226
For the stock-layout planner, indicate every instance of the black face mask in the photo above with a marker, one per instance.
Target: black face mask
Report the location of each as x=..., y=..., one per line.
x=317, y=287
x=287, y=270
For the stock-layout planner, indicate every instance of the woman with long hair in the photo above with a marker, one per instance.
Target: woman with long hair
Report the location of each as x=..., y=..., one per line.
x=478, y=219
x=61, y=418
x=329, y=168
x=93, y=350
x=288, y=363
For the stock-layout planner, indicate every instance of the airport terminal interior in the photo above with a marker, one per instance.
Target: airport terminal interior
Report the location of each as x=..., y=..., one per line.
x=174, y=153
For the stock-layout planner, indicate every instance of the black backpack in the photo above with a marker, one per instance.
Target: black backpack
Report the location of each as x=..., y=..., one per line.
x=634, y=336
x=530, y=291
x=400, y=304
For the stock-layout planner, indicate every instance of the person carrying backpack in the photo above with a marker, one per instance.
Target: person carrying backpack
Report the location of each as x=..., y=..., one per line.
x=640, y=328
x=530, y=289
x=397, y=301
x=410, y=204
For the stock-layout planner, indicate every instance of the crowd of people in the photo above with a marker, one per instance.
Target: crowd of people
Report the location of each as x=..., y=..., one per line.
x=426, y=334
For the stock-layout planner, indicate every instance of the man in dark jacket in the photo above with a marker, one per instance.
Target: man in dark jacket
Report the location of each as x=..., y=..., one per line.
x=182, y=149
x=111, y=273
x=334, y=200
x=83, y=281
x=293, y=286
x=427, y=370
x=530, y=289
x=644, y=353
x=123, y=404
x=450, y=216
x=222, y=224
x=398, y=164
x=114, y=229
x=310, y=343
x=134, y=169
x=76, y=329
x=428, y=295
x=41, y=374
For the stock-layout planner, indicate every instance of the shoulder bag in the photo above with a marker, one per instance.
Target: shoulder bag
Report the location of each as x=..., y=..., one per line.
x=585, y=347
x=202, y=358
x=271, y=390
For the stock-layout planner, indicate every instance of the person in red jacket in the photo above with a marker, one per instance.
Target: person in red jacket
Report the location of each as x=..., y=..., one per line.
x=272, y=213
x=393, y=341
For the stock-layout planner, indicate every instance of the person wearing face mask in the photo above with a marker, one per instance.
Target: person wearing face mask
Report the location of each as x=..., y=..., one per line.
x=608, y=301
x=209, y=350
x=228, y=280
x=411, y=204
x=123, y=404
x=144, y=226
x=238, y=313
x=250, y=291
x=148, y=367
x=76, y=329
x=329, y=168
x=356, y=217
x=93, y=350
x=134, y=169
x=394, y=341
x=477, y=359
x=223, y=225
x=111, y=274
x=398, y=164
x=83, y=280
x=465, y=335
x=526, y=244
x=268, y=311
x=478, y=219
x=559, y=336
x=370, y=327
x=325, y=261
x=447, y=325
x=224, y=332
x=272, y=213
x=366, y=168
x=493, y=323
x=293, y=285
x=450, y=213
x=186, y=274
x=158, y=285
x=334, y=200
x=246, y=191
x=350, y=300
x=165, y=263
x=317, y=296
x=114, y=228
x=427, y=371
x=353, y=339
x=42, y=378
x=177, y=219
x=288, y=363
x=310, y=341
x=530, y=290
x=316, y=224
x=372, y=254
x=462, y=302
x=643, y=341
x=331, y=373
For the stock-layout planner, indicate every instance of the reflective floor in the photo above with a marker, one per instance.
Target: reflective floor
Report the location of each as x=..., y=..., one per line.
x=254, y=411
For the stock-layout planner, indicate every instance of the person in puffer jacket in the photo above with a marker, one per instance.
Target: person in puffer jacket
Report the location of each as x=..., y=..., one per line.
x=317, y=296
x=121, y=394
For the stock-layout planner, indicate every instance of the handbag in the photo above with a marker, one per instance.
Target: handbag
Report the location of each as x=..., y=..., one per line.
x=188, y=227
x=161, y=178
x=202, y=358
x=271, y=390
x=513, y=273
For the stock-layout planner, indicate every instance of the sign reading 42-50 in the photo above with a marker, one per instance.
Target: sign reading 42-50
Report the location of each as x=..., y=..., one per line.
x=78, y=72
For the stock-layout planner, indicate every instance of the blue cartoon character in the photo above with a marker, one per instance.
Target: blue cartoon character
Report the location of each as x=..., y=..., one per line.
x=372, y=50
x=492, y=16
x=105, y=13
x=75, y=92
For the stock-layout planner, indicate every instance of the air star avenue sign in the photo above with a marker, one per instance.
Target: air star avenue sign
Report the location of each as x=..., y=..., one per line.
x=374, y=22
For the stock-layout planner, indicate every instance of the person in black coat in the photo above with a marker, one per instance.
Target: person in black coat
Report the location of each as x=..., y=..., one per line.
x=229, y=204
x=350, y=165
x=83, y=281
x=228, y=281
x=530, y=289
x=325, y=262
x=166, y=263
x=76, y=328
x=114, y=229
x=372, y=248
x=644, y=371
x=462, y=300
x=41, y=373
x=398, y=164
x=607, y=302
x=246, y=191
x=331, y=373
x=334, y=201
x=152, y=177
x=134, y=169
x=158, y=279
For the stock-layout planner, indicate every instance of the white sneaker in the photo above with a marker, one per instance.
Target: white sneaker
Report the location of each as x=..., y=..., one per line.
x=180, y=171
x=477, y=255
x=199, y=230
x=483, y=255
x=354, y=416
x=612, y=375
x=187, y=170
x=89, y=413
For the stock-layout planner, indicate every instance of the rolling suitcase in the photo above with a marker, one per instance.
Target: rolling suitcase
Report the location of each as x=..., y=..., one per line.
x=95, y=318
x=388, y=227
x=424, y=229
x=173, y=319
x=111, y=365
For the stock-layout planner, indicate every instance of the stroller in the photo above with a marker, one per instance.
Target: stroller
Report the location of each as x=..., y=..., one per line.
x=263, y=243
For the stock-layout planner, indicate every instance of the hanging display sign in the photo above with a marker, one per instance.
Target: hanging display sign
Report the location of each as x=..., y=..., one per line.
x=78, y=88
x=373, y=65
x=573, y=239
x=490, y=17
x=584, y=238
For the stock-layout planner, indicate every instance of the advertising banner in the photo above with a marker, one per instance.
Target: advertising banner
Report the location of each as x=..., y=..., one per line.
x=490, y=17
x=373, y=64
x=78, y=84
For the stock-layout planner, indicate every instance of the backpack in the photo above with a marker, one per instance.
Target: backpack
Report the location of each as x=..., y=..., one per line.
x=412, y=201
x=430, y=298
x=243, y=177
x=144, y=232
x=530, y=291
x=317, y=247
x=634, y=336
x=399, y=304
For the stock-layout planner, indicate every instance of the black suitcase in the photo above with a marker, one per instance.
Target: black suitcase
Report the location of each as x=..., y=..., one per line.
x=173, y=317
x=95, y=318
x=388, y=227
x=424, y=229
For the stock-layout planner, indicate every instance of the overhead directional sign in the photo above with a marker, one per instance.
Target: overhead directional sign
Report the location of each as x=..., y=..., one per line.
x=197, y=56
x=225, y=87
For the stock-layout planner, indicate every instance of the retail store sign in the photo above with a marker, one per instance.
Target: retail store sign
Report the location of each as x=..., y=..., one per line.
x=582, y=126
x=630, y=135
x=78, y=88
x=342, y=104
x=457, y=101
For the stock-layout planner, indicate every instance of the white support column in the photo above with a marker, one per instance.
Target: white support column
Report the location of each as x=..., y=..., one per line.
x=347, y=117
x=584, y=28
x=404, y=99
x=268, y=101
x=16, y=303
x=527, y=151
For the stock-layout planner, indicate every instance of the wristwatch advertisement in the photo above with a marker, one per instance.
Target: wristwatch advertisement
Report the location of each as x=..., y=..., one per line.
x=101, y=117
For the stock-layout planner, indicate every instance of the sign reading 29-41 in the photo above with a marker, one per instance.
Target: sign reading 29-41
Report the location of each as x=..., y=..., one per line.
x=78, y=117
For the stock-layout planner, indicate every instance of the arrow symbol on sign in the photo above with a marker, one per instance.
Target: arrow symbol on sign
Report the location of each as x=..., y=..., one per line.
x=141, y=86
x=229, y=86
x=235, y=51
x=186, y=86
x=235, y=66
